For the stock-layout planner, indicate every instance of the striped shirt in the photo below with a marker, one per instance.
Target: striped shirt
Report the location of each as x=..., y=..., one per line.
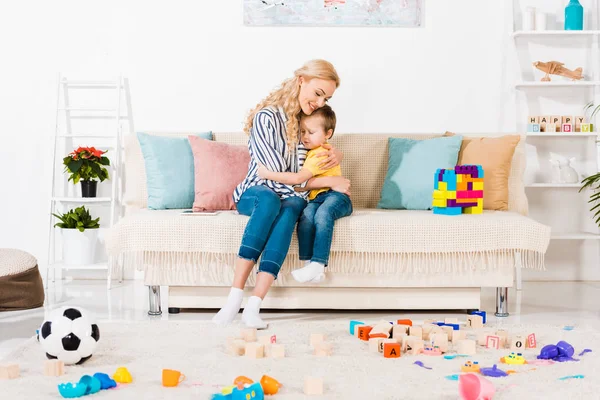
x=268, y=146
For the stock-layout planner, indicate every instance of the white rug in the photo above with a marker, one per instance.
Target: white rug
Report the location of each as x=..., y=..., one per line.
x=352, y=372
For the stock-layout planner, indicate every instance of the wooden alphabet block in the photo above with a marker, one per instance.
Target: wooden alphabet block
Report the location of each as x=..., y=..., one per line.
x=237, y=347
x=482, y=336
x=9, y=371
x=587, y=127
x=264, y=340
x=458, y=335
x=567, y=128
x=399, y=330
x=517, y=343
x=54, y=368
x=531, y=342
x=557, y=121
x=414, y=345
x=383, y=342
x=316, y=338
x=544, y=121
x=451, y=320
x=363, y=332
x=492, y=342
x=381, y=330
x=533, y=128
x=440, y=340
x=391, y=350
x=405, y=322
x=448, y=331
x=534, y=120
x=475, y=321
x=551, y=128
x=503, y=335
x=566, y=119
x=313, y=386
x=276, y=350
x=249, y=334
x=255, y=350
x=466, y=346
x=578, y=122
x=416, y=331
x=374, y=344
x=323, y=349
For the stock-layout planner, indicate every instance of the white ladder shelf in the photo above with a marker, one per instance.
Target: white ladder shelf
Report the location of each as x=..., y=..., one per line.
x=119, y=112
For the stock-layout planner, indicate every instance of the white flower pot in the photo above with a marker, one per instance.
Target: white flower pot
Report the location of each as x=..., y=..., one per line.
x=79, y=247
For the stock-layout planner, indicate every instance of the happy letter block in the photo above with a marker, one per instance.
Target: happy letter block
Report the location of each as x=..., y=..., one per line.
x=466, y=346
x=567, y=128
x=587, y=128
x=255, y=350
x=10, y=371
x=391, y=350
x=54, y=368
x=313, y=386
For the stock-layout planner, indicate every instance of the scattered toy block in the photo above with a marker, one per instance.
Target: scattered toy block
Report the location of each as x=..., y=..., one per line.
x=557, y=121
x=313, y=386
x=466, y=346
x=323, y=349
x=363, y=332
x=54, y=368
x=566, y=119
x=249, y=334
x=414, y=345
x=534, y=120
x=276, y=351
x=543, y=122
x=458, y=335
x=353, y=325
x=475, y=321
x=567, y=128
x=503, y=335
x=264, y=340
x=578, y=122
x=448, y=331
x=374, y=344
x=492, y=342
x=384, y=341
x=391, y=350
x=531, y=342
x=316, y=338
x=440, y=340
x=416, y=331
x=381, y=330
x=451, y=320
x=517, y=343
x=405, y=322
x=237, y=347
x=551, y=128
x=482, y=337
x=480, y=313
x=426, y=330
x=255, y=350
x=399, y=330
x=9, y=371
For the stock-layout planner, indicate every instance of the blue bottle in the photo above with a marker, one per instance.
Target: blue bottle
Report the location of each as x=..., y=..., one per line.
x=574, y=16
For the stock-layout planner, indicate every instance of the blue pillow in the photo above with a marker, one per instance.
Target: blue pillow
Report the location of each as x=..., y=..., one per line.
x=411, y=166
x=169, y=170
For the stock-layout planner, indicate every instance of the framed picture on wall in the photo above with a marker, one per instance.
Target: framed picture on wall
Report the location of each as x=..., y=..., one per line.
x=388, y=13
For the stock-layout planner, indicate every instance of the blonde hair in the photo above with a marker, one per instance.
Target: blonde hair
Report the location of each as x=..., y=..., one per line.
x=287, y=94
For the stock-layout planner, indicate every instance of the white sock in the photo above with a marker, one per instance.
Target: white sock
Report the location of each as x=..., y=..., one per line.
x=250, y=315
x=231, y=308
x=313, y=272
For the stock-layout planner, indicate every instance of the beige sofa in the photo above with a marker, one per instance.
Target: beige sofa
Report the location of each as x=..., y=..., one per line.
x=380, y=259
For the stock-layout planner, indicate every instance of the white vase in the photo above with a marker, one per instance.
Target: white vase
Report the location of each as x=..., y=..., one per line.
x=79, y=248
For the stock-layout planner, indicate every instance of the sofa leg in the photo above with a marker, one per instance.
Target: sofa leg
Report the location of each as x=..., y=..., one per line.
x=501, y=302
x=154, y=300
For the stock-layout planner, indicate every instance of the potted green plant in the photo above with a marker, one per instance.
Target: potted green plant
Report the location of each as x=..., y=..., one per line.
x=80, y=234
x=86, y=164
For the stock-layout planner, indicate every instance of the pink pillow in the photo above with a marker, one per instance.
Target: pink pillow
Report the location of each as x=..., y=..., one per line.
x=219, y=168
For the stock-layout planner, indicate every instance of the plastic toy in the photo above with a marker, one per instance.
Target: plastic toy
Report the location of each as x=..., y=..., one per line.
x=571, y=377
x=93, y=384
x=513, y=359
x=269, y=385
x=470, y=366
x=494, y=372
x=475, y=387
x=172, y=378
x=432, y=351
x=540, y=362
x=453, y=356
x=241, y=392
x=122, y=375
x=86, y=385
x=584, y=351
x=452, y=377
x=243, y=380
x=556, y=68
x=105, y=381
x=420, y=364
x=560, y=352
x=353, y=325
x=458, y=190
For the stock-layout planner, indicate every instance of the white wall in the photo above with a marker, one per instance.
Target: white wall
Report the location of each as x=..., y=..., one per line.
x=193, y=65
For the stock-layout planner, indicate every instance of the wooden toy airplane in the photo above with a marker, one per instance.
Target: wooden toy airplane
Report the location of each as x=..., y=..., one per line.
x=556, y=68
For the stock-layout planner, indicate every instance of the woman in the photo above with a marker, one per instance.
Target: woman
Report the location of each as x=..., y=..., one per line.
x=273, y=207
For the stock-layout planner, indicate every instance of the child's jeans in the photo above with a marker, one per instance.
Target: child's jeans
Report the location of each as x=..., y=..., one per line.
x=315, y=227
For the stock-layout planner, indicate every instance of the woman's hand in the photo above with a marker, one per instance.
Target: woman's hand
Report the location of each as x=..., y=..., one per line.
x=341, y=184
x=262, y=171
x=331, y=157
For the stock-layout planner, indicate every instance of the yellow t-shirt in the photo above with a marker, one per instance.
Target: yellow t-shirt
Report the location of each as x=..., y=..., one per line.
x=311, y=164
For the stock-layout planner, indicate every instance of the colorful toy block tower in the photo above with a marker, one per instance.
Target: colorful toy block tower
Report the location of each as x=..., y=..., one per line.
x=459, y=190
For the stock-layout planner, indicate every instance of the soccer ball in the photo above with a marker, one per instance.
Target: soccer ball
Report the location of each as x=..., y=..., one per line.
x=70, y=334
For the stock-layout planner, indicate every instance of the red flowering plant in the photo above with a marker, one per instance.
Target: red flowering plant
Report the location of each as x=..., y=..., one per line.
x=86, y=164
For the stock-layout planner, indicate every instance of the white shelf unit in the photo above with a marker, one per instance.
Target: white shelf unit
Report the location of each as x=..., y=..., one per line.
x=558, y=205
x=116, y=110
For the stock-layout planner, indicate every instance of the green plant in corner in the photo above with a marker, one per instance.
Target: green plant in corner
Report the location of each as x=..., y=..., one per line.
x=592, y=182
x=78, y=218
x=595, y=109
x=86, y=164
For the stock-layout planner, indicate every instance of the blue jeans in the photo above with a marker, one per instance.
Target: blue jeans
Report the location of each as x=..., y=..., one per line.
x=269, y=230
x=315, y=228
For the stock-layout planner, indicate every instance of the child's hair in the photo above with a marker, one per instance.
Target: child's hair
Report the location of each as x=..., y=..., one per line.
x=328, y=115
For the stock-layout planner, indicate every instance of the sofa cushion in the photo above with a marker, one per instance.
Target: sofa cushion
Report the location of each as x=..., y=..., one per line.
x=219, y=168
x=411, y=167
x=169, y=165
